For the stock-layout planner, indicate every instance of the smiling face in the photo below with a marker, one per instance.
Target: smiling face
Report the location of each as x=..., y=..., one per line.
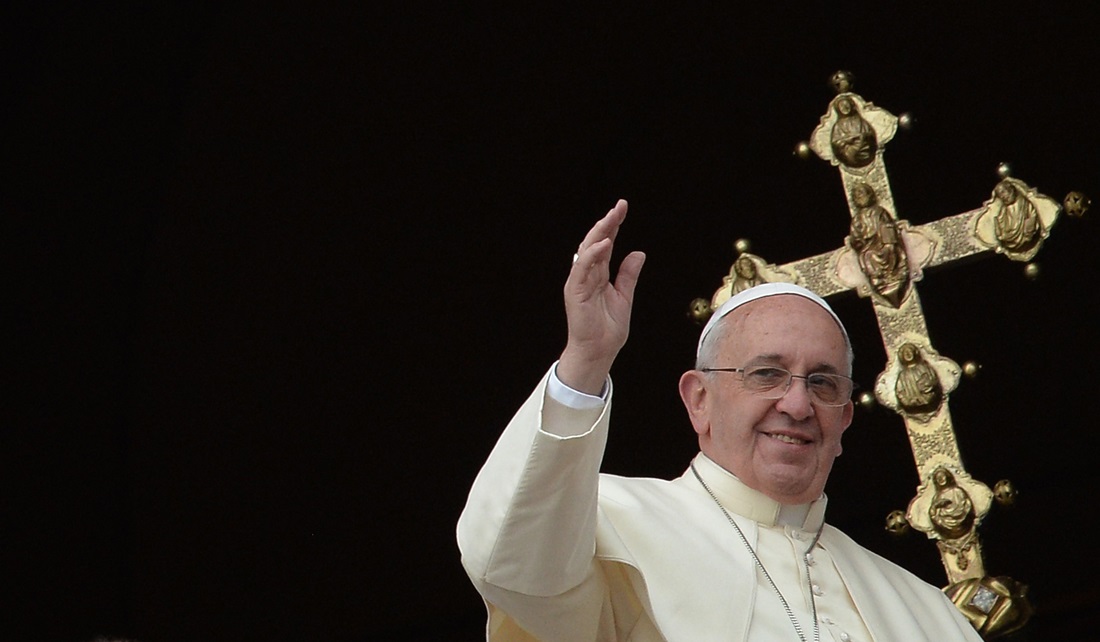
x=783, y=447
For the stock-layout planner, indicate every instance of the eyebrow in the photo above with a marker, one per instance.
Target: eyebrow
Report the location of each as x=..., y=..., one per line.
x=777, y=359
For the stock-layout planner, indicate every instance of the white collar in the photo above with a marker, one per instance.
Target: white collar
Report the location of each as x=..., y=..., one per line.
x=736, y=497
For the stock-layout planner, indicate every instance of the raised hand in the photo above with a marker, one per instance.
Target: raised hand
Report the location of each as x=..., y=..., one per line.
x=597, y=310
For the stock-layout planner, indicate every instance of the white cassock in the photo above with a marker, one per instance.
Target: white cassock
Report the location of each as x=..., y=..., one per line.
x=563, y=553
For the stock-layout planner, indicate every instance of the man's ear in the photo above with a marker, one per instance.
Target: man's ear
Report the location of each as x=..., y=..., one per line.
x=696, y=397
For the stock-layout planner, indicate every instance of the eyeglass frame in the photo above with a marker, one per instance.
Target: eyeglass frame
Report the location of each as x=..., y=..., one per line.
x=787, y=386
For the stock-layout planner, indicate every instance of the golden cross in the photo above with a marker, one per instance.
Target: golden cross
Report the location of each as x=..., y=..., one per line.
x=882, y=259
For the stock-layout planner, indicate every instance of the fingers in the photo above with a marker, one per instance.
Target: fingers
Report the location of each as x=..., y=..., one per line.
x=606, y=228
x=592, y=256
x=599, y=240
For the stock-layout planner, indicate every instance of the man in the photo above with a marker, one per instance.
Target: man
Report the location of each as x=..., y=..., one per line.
x=736, y=548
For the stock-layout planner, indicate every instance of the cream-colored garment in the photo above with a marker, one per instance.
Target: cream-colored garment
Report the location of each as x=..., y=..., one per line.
x=562, y=553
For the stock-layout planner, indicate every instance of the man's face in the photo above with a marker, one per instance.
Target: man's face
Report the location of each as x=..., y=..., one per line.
x=782, y=447
x=1005, y=192
x=862, y=196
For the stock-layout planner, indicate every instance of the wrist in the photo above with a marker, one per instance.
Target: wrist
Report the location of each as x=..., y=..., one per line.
x=588, y=376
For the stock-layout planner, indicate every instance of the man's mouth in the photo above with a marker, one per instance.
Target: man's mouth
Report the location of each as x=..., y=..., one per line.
x=787, y=439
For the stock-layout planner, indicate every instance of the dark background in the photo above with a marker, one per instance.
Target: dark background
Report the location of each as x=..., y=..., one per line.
x=276, y=275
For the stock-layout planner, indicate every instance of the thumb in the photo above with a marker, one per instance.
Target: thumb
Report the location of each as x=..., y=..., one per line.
x=627, y=278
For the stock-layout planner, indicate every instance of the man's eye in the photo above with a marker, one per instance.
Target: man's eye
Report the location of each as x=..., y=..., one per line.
x=822, y=382
x=767, y=375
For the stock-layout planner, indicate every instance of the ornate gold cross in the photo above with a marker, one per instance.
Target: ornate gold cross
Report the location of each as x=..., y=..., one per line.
x=883, y=258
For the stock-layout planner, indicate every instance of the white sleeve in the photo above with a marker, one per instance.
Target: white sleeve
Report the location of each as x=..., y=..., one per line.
x=528, y=531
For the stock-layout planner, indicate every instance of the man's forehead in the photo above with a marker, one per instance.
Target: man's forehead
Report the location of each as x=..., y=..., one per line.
x=769, y=327
x=775, y=310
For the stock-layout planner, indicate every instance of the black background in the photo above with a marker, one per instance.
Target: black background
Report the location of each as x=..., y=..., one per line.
x=276, y=275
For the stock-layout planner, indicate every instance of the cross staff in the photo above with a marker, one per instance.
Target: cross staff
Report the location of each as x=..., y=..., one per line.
x=882, y=259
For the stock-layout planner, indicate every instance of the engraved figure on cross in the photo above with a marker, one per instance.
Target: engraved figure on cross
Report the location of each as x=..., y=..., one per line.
x=876, y=239
x=1015, y=220
x=952, y=512
x=744, y=274
x=918, y=389
x=853, y=139
x=917, y=381
x=1017, y=223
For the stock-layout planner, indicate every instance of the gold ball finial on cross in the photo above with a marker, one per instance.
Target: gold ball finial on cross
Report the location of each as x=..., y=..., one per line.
x=1076, y=204
x=699, y=311
x=896, y=523
x=1005, y=492
x=842, y=81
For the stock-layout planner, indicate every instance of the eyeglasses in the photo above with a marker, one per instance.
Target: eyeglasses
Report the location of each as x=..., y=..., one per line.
x=771, y=382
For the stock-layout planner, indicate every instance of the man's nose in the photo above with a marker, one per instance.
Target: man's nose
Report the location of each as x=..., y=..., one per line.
x=797, y=401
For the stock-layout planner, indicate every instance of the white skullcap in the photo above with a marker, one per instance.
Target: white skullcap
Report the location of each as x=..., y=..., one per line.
x=759, y=292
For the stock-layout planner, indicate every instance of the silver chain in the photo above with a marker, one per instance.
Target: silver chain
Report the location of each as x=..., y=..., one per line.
x=767, y=576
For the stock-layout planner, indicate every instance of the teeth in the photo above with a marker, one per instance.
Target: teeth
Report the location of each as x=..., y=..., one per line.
x=789, y=440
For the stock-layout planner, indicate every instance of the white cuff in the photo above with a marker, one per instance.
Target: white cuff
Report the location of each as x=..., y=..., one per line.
x=571, y=398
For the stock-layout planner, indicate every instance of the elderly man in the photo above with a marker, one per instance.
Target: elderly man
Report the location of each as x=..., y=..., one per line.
x=737, y=547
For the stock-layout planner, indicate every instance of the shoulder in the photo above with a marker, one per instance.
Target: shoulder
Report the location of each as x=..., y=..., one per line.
x=657, y=524
x=642, y=492
x=662, y=503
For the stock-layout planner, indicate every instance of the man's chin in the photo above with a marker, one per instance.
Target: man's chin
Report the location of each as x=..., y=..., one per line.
x=789, y=483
